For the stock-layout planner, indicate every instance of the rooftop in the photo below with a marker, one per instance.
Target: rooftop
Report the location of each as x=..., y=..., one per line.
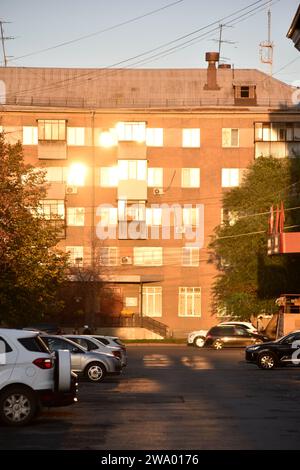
x=134, y=88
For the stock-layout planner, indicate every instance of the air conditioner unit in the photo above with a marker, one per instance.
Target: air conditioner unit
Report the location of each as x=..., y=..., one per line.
x=158, y=191
x=179, y=229
x=71, y=190
x=126, y=260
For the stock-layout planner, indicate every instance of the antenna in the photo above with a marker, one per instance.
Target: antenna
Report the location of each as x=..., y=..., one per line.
x=221, y=41
x=267, y=47
x=3, y=39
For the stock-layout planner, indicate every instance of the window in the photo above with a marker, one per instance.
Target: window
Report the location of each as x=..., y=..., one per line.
x=190, y=216
x=155, y=177
x=132, y=169
x=191, y=138
x=33, y=344
x=189, y=302
x=277, y=132
x=245, y=92
x=190, y=178
x=229, y=217
x=75, y=255
x=147, y=256
x=52, y=129
x=109, y=256
x=75, y=216
x=56, y=174
x=4, y=348
x=131, y=131
x=152, y=301
x=30, y=135
x=76, y=174
x=230, y=177
x=108, y=216
x=190, y=256
x=153, y=216
x=230, y=137
x=154, y=137
x=75, y=135
x=52, y=209
x=128, y=211
x=109, y=177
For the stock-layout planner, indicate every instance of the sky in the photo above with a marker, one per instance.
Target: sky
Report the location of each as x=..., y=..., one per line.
x=37, y=25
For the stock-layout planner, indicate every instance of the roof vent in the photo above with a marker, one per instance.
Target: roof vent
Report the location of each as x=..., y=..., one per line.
x=212, y=58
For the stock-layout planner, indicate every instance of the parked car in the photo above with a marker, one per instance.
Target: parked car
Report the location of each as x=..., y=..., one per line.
x=222, y=336
x=90, y=343
x=111, y=342
x=197, y=337
x=283, y=351
x=32, y=377
x=93, y=365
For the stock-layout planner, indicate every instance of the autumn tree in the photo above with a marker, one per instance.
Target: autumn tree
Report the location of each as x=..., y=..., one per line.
x=249, y=280
x=31, y=268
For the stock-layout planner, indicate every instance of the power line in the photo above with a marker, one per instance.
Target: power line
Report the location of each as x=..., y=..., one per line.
x=99, y=32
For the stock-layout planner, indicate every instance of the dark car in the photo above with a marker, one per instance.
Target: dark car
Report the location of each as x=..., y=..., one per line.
x=284, y=351
x=230, y=336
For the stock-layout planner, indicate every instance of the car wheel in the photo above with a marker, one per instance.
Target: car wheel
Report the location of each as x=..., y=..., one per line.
x=266, y=361
x=95, y=372
x=218, y=344
x=199, y=341
x=18, y=406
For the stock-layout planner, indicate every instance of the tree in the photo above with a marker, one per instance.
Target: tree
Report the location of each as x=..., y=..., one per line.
x=31, y=268
x=249, y=280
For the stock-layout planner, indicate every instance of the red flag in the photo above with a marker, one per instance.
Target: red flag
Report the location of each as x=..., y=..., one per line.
x=277, y=220
x=281, y=218
x=271, y=220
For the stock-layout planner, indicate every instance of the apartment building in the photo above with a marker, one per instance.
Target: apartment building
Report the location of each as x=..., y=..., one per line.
x=137, y=162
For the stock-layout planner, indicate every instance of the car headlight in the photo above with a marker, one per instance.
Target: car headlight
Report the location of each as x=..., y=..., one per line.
x=253, y=348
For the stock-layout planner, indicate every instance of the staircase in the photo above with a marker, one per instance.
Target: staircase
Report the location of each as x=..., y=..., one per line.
x=134, y=321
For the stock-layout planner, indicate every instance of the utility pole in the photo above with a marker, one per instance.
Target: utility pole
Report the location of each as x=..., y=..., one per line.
x=267, y=47
x=3, y=39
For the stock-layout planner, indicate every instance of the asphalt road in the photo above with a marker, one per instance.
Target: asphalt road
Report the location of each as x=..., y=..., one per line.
x=175, y=397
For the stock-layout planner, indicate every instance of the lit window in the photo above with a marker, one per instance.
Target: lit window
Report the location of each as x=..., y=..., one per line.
x=128, y=211
x=230, y=177
x=56, y=174
x=75, y=216
x=52, y=129
x=109, y=177
x=191, y=138
x=108, y=216
x=190, y=256
x=52, y=209
x=190, y=216
x=147, y=256
x=190, y=178
x=109, y=256
x=30, y=135
x=132, y=170
x=131, y=131
x=108, y=138
x=152, y=301
x=155, y=177
x=189, y=302
x=154, y=137
x=75, y=135
x=75, y=255
x=153, y=216
x=230, y=137
x=76, y=174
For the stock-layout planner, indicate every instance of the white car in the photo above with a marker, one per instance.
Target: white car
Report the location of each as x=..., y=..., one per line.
x=197, y=337
x=32, y=377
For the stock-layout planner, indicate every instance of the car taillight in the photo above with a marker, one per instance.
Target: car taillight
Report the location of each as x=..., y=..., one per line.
x=117, y=354
x=43, y=363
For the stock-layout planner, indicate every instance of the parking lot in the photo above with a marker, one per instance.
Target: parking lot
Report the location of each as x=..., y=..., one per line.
x=174, y=397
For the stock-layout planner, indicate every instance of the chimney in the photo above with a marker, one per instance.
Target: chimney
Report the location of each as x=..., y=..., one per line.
x=224, y=66
x=212, y=58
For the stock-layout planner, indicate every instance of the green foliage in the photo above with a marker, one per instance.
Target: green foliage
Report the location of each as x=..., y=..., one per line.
x=249, y=280
x=31, y=269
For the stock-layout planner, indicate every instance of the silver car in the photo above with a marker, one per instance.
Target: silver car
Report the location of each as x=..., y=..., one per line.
x=93, y=365
x=112, y=342
x=91, y=343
